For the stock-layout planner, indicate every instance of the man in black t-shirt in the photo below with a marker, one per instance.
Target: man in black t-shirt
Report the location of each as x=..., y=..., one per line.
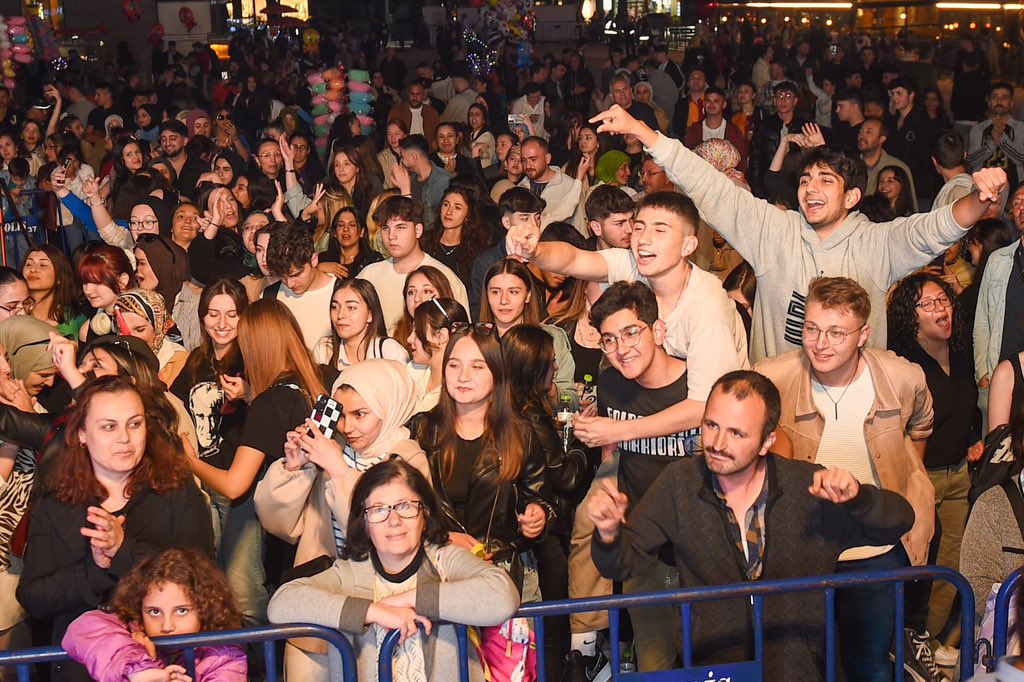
x=642, y=380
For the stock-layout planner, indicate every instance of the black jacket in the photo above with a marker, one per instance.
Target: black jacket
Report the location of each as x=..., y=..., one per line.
x=61, y=581
x=491, y=506
x=767, y=135
x=804, y=537
x=568, y=474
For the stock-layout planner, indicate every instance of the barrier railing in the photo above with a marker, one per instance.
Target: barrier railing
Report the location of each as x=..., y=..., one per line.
x=1004, y=599
x=24, y=659
x=757, y=591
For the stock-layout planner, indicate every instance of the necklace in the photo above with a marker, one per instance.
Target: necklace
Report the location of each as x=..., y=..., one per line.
x=447, y=250
x=835, y=402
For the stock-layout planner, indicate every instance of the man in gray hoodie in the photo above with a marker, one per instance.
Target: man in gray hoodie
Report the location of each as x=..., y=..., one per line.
x=827, y=237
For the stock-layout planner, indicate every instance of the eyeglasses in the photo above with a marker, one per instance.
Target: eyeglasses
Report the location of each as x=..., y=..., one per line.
x=479, y=327
x=22, y=307
x=223, y=117
x=267, y=155
x=928, y=304
x=300, y=147
x=407, y=509
x=629, y=338
x=644, y=172
x=835, y=336
x=148, y=223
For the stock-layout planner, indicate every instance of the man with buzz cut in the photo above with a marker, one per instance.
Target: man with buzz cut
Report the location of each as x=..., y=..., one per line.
x=827, y=236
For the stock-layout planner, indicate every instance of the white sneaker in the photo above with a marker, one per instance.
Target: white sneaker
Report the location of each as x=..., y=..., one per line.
x=946, y=656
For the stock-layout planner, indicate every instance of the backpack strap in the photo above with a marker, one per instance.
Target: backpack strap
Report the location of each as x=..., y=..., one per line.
x=1011, y=487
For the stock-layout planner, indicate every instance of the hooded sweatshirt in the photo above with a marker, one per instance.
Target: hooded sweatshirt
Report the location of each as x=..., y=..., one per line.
x=786, y=253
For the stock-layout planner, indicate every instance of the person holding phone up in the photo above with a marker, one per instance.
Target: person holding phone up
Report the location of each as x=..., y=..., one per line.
x=305, y=498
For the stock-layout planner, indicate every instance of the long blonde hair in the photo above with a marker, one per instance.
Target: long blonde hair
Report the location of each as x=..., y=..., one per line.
x=372, y=226
x=272, y=347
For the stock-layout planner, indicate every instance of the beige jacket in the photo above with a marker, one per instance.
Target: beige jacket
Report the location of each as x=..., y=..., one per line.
x=902, y=413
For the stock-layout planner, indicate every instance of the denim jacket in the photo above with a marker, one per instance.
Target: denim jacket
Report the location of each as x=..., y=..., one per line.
x=988, y=321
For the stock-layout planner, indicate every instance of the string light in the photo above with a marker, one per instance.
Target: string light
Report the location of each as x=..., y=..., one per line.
x=481, y=58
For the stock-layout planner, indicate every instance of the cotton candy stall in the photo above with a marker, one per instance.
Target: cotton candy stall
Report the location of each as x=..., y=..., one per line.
x=336, y=91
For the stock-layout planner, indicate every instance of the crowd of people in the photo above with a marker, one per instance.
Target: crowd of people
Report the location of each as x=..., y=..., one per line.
x=538, y=333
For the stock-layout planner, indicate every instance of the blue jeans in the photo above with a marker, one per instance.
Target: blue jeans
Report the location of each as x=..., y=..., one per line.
x=866, y=617
x=239, y=538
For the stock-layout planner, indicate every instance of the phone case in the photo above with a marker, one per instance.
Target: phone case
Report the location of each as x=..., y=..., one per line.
x=326, y=413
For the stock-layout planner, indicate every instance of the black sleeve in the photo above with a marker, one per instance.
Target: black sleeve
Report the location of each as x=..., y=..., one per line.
x=270, y=417
x=566, y=471
x=881, y=517
x=213, y=258
x=25, y=428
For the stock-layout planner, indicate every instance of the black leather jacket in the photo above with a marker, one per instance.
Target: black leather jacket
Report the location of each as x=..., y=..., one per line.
x=568, y=474
x=491, y=507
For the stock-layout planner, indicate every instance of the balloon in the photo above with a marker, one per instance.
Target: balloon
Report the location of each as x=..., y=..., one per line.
x=6, y=54
x=360, y=107
x=314, y=79
x=9, y=83
x=320, y=87
x=320, y=109
x=310, y=41
x=131, y=10
x=322, y=120
x=23, y=58
x=320, y=131
x=21, y=49
x=356, y=86
x=331, y=74
x=333, y=95
x=9, y=71
x=336, y=84
x=16, y=21
x=364, y=119
x=359, y=75
x=319, y=99
x=187, y=17
x=335, y=107
x=156, y=34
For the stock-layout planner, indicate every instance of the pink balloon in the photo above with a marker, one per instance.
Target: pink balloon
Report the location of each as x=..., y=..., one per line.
x=23, y=58
x=21, y=49
x=319, y=99
x=9, y=83
x=334, y=106
x=315, y=78
x=16, y=21
x=6, y=53
x=364, y=120
x=356, y=86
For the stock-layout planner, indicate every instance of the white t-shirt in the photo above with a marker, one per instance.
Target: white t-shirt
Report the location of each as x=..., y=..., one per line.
x=390, y=286
x=416, y=126
x=843, y=445
x=714, y=133
x=312, y=310
x=703, y=327
x=388, y=348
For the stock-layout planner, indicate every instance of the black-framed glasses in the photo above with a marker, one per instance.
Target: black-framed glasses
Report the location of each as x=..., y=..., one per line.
x=148, y=223
x=480, y=327
x=835, y=336
x=406, y=509
x=20, y=307
x=628, y=337
x=928, y=304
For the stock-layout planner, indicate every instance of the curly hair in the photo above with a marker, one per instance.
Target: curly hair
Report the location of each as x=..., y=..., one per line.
x=163, y=466
x=394, y=469
x=901, y=312
x=201, y=579
x=473, y=240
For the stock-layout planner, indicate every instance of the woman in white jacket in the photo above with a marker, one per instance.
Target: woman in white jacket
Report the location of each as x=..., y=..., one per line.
x=398, y=571
x=305, y=497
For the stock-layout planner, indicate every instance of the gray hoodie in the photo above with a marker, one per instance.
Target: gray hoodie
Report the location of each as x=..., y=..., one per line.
x=786, y=253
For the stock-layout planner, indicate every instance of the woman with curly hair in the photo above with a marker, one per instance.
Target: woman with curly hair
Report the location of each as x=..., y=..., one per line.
x=173, y=592
x=121, y=490
x=457, y=237
x=924, y=328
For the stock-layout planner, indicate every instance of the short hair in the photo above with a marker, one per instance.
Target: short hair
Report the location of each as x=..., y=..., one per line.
x=447, y=124
x=882, y=124
x=786, y=86
x=661, y=48
x=620, y=78
x=949, y=150
x=404, y=208
x=415, y=143
x=520, y=200
x=713, y=90
x=673, y=202
x=1000, y=85
x=533, y=88
x=842, y=161
x=905, y=82
x=606, y=200
x=851, y=95
x=174, y=126
x=635, y=296
x=537, y=140
x=743, y=383
x=834, y=293
x=290, y=247
x=18, y=167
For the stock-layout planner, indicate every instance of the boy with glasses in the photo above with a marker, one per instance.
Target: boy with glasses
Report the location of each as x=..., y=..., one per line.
x=869, y=412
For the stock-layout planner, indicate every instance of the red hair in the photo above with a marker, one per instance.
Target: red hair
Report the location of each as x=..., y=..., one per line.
x=104, y=264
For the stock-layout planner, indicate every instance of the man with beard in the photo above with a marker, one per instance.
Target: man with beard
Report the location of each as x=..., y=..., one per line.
x=999, y=139
x=787, y=249
x=173, y=135
x=560, y=191
x=714, y=515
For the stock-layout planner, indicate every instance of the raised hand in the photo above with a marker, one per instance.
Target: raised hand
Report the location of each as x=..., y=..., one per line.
x=990, y=183
x=607, y=509
x=618, y=121
x=812, y=135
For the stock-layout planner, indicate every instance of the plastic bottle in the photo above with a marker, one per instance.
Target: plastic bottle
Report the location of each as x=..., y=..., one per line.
x=589, y=393
x=626, y=662
x=565, y=415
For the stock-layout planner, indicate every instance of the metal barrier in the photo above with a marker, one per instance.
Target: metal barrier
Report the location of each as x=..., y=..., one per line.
x=1000, y=630
x=746, y=670
x=25, y=658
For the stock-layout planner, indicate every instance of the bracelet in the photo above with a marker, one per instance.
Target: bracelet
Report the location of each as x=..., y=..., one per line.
x=214, y=225
x=291, y=170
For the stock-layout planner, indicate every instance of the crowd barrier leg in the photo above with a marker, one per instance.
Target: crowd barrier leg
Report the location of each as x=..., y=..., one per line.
x=1004, y=599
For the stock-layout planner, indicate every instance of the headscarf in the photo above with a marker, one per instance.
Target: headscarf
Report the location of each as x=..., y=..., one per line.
x=170, y=264
x=161, y=210
x=609, y=164
x=194, y=116
x=150, y=305
x=389, y=392
x=236, y=162
x=155, y=114
x=26, y=340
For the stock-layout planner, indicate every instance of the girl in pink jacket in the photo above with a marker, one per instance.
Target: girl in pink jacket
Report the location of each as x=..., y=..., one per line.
x=172, y=592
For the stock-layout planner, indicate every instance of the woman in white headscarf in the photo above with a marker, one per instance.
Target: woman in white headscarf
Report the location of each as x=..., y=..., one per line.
x=304, y=498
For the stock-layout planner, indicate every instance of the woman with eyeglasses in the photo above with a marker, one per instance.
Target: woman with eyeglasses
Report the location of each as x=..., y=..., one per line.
x=358, y=331
x=15, y=298
x=486, y=466
x=104, y=272
x=51, y=286
x=512, y=297
x=924, y=327
x=308, y=169
x=398, y=571
x=427, y=341
x=147, y=215
x=422, y=284
x=120, y=490
x=305, y=497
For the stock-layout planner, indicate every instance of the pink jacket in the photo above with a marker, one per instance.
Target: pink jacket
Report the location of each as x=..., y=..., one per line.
x=103, y=644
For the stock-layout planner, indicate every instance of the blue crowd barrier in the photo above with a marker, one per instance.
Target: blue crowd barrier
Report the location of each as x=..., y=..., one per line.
x=745, y=671
x=24, y=659
x=1000, y=630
